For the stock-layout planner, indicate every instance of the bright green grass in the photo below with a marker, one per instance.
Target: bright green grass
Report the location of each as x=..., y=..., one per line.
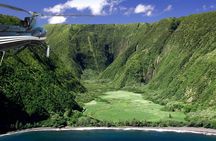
x=126, y=106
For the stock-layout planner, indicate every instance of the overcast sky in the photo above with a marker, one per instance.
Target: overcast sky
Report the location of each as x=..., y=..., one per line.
x=110, y=11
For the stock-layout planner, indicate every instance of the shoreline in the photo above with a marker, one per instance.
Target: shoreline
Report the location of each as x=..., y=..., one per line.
x=192, y=130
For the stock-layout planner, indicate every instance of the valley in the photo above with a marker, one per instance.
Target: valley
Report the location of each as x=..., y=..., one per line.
x=123, y=106
x=141, y=74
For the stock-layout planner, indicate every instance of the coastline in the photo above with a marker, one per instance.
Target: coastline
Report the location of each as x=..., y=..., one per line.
x=193, y=130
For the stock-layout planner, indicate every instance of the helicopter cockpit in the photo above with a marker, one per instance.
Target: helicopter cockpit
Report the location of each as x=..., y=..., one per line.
x=30, y=24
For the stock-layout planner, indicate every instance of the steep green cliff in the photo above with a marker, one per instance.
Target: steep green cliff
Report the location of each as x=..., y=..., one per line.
x=170, y=60
x=176, y=58
x=34, y=88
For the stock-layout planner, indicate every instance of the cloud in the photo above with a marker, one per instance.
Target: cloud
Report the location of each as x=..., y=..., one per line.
x=55, y=9
x=96, y=7
x=144, y=9
x=208, y=7
x=212, y=6
x=57, y=20
x=168, y=8
x=113, y=5
x=129, y=11
x=204, y=7
x=126, y=10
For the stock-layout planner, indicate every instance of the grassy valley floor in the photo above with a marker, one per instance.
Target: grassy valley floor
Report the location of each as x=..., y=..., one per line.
x=105, y=104
x=121, y=106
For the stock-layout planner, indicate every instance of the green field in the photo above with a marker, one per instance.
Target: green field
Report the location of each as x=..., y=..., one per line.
x=118, y=106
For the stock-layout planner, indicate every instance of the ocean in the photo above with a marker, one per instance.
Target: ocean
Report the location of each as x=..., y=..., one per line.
x=105, y=135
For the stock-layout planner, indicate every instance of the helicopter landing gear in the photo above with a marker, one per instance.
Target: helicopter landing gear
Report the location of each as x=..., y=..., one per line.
x=48, y=51
x=2, y=58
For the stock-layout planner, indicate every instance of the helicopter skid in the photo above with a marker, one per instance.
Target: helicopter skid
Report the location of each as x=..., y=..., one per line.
x=10, y=42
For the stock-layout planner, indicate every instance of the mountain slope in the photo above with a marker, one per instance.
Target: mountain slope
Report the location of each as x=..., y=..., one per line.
x=171, y=62
x=172, y=57
x=138, y=67
x=35, y=90
x=177, y=60
x=89, y=46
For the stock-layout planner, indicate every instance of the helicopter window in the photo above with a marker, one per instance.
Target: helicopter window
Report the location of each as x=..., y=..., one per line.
x=24, y=23
x=27, y=21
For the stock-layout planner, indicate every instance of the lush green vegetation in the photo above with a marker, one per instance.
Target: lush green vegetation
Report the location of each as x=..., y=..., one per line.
x=35, y=90
x=8, y=20
x=174, y=66
x=170, y=62
x=122, y=106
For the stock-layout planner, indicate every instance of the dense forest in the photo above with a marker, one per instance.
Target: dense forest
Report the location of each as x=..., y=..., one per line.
x=171, y=62
x=34, y=88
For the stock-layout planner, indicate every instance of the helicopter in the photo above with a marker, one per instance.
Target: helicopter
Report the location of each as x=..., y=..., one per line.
x=27, y=33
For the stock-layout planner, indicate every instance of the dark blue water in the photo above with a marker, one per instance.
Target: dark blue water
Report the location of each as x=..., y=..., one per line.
x=103, y=135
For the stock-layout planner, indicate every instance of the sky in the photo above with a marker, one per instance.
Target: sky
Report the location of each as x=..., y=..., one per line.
x=109, y=11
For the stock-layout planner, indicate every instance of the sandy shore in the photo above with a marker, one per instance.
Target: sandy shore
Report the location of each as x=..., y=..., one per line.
x=203, y=131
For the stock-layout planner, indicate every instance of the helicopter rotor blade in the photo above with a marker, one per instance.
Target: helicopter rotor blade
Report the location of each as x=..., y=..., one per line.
x=44, y=15
x=68, y=15
x=15, y=8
